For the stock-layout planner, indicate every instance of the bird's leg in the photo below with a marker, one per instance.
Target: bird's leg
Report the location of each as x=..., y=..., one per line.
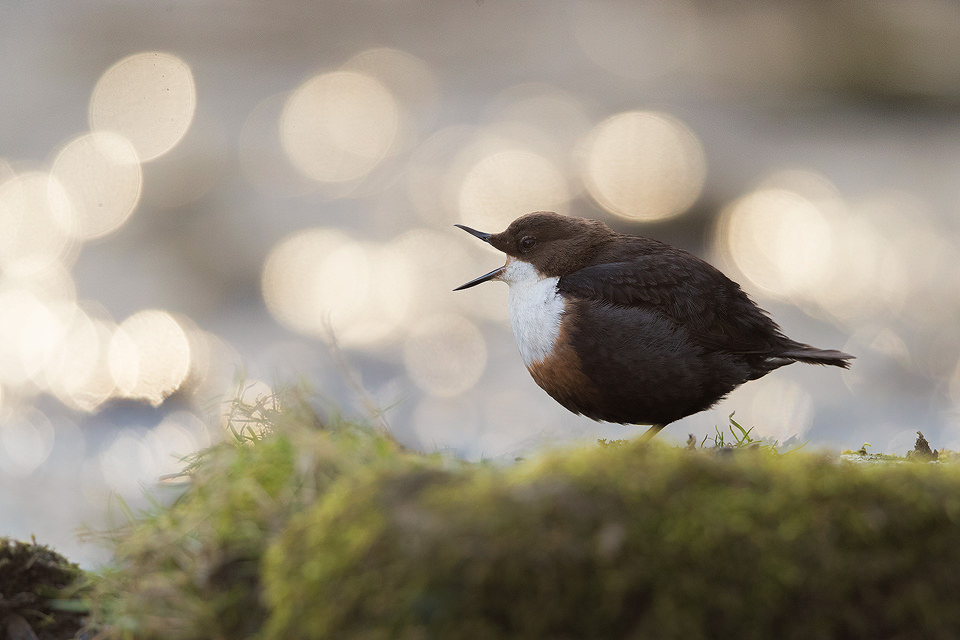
x=652, y=431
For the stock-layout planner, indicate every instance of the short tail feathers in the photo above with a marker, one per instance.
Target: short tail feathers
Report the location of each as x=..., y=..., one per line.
x=812, y=355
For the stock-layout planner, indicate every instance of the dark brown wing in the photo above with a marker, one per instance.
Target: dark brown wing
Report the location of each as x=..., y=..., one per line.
x=685, y=289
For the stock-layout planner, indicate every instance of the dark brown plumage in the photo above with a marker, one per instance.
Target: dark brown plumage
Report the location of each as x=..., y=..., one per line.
x=647, y=333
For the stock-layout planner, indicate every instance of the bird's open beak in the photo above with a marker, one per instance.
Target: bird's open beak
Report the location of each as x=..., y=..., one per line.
x=477, y=234
x=493, y=275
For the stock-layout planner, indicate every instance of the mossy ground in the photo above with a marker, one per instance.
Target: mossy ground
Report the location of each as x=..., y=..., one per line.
x=40, y=592
x=193, y=569
x=629, y=542
x=309, y=526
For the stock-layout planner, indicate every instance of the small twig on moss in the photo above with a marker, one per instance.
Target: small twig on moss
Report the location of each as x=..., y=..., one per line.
x=922, y=451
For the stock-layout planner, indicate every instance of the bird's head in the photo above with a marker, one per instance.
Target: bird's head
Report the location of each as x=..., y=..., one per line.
x=544, y=243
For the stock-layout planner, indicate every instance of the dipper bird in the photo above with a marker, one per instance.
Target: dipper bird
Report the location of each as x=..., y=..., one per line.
x=627, y=329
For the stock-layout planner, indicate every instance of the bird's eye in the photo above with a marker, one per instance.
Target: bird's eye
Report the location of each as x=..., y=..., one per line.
x=527, y=243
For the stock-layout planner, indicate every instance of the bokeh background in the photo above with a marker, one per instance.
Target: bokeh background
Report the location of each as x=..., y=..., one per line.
x=195, y=193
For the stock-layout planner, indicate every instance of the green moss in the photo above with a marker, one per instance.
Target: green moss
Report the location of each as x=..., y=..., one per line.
x=306, y=526
x=40, y=590
x=625, y=541
x=921, y=453
x=192, y=569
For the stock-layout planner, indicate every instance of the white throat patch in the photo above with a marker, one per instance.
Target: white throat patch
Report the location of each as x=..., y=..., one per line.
x=535, y=310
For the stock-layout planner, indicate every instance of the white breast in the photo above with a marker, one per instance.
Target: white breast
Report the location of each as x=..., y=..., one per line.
x=535, y=310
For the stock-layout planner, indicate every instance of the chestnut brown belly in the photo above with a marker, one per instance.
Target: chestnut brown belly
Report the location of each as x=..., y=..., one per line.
x=630, y=366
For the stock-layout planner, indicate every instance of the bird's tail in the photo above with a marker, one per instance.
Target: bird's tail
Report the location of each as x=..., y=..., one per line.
x=811, y=355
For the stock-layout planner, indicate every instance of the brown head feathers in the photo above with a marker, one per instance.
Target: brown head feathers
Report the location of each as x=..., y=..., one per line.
x=554, y=244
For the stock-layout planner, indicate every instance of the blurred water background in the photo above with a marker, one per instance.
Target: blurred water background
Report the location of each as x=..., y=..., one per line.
x=192, y=191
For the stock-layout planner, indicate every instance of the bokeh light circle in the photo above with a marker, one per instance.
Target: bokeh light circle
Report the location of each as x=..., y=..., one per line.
x=390, y=292
x=263, y=160
x=321, y=283
x=779, y=240
x=127, y=465
x=506, y=184
x=316, y=281
x=25, y=443
x=643, y=165
x=554, y=118
x=36, y=223
x=149, y=356
x=336, y=127
x=178, y=435
x=410, y=81
x=31, y=324
x=445, y=354
x=78, y=370
x=150, y=98
x=780, y=409
x=101, y=174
